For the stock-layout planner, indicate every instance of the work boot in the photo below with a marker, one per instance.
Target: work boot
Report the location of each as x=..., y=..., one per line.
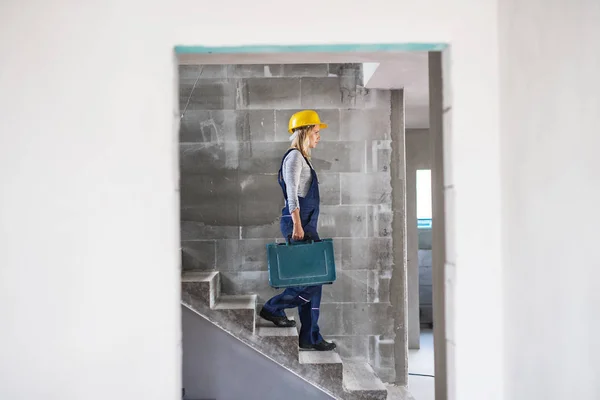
x=282, y=322
x=323, y=345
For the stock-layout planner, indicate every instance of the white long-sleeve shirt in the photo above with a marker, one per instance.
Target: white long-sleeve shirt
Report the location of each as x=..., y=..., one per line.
x=297, y=177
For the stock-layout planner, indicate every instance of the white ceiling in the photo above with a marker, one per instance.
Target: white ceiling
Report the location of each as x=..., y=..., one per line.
x=396, y=70
x=408, y=71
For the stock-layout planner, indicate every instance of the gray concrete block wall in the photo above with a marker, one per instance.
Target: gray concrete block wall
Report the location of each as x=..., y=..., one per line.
x=232, y=138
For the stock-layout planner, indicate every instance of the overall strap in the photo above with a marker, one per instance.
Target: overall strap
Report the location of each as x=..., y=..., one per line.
x=280, y=174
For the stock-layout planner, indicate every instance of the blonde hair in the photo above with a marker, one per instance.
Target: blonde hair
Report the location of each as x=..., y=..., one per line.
x=302, y=140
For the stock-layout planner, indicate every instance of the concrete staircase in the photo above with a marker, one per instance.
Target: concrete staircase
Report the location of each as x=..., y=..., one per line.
x=201, y=293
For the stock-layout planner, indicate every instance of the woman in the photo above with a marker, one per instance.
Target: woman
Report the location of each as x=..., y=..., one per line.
x=298, y=181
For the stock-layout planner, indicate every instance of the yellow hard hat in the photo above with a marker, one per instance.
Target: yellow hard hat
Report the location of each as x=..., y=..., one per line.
x=305, y=118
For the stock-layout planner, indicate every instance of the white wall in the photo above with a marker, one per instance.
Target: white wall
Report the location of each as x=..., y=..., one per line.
x=89, y=170
x=551, y=197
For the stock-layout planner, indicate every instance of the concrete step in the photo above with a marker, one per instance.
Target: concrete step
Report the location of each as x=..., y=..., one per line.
x=236, y=302
x=319, y=357
x=324, y=368
x=236, y=314
x=279, y=344
x=398, y=392
x=267, y=328
x=362, y=383
x=200, y=288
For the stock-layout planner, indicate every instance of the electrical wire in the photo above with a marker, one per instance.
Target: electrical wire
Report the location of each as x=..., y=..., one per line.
x=187, y=103
x=425, y=375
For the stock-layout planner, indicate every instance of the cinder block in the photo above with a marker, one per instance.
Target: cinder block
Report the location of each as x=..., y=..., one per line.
x=208, y=94
x=227, y=126
x=379, y=286
x=425, y=239
x=384, y=353
x=345, y=69
x=359, y=188
x=213, y=214
x=335, y=69
x=329, y=188
x=270, y=93
x=425, y=275
x=198, y=254
x=386, y=375
x=256, y=70
x=204, y=189
x=349, y=286
x=261, y=125
x=351, y=347
x=189, y=73
x=367, y=318
x=262, y=157
x=380, y=220
x=242, y=255
x=301, y=70
x=339, y=157
x=210, y=126
x=348, y=84
x=325, y=93
x=367, y=253
x=425, y=258
x=342, y=221
x=208, y=158
x=425, y=294
x=261, y=200
x=245, y=282
x=365, y=124
x=372, y=98
x=379, y=156
x=330, y=117
x=331, y=320
x=191, y=230
x=271, y=230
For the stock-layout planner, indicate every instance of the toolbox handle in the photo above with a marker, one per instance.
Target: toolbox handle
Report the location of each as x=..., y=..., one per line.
x=307, y=238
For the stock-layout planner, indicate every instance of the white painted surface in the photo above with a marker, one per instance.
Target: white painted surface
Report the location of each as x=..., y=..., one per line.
x=408, y=71
x=551, y=197
x=88, y=165
x=369, y=68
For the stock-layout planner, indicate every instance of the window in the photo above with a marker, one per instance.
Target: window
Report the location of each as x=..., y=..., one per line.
x=424, y=198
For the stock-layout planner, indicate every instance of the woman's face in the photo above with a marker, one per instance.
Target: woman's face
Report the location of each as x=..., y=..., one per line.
x=314, y=136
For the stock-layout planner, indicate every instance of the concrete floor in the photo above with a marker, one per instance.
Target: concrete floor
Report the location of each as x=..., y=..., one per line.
x=421, y=362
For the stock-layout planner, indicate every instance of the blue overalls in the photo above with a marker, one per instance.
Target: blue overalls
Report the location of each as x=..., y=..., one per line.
x=306, y=298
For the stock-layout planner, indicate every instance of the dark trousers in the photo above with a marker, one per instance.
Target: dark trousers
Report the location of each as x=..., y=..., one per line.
x=308, y=301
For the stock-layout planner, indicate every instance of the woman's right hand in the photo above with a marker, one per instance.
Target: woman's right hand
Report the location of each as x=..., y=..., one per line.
x=298, y=232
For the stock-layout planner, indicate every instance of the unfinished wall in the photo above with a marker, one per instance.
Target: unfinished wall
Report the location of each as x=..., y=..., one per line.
x=233, y=136
x=418, y=156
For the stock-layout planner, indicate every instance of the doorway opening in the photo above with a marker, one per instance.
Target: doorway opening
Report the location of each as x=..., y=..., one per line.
x=234, y=110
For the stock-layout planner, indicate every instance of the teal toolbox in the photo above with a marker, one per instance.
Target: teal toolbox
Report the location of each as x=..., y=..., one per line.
x=301, y=263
